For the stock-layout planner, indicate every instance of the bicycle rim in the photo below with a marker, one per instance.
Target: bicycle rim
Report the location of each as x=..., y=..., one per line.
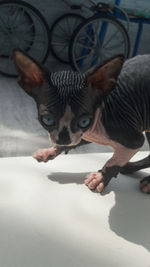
x=21, y=26
x=61, y=33
x=96, y=40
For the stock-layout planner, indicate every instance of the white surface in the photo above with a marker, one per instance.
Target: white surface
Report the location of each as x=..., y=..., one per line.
x=48, y=218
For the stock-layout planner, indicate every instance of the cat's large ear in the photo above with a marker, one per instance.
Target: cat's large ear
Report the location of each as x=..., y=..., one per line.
x=30, y=73
x=104, y=77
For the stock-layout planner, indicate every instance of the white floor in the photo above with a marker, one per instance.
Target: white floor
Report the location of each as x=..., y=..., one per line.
x=49, y=218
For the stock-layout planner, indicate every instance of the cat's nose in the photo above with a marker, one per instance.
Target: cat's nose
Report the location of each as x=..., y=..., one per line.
x=63, y=137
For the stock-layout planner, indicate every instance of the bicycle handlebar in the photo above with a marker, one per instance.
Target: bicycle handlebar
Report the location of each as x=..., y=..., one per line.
x=99, y=7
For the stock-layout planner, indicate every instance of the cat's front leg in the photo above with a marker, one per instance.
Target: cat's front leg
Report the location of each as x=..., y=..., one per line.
x=98, y=180
x=45, y=154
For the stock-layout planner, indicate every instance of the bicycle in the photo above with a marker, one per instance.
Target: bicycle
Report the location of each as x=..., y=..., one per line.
x=21, y=26
x=104, y=29
x=60, y=35
x=57, y=48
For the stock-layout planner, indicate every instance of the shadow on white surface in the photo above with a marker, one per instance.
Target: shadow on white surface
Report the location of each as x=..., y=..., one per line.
x=68, y=177
x=130, y=216
x=49, y=218
x=131, y=212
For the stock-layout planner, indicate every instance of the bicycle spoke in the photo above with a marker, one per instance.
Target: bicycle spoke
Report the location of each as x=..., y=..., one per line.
x=83, y=38
x=16, y=15
x=20, y=13
x=110, y=38
x=99, y=39
x=89, y=38
x=118, y=45
x=61, y=33
x=84, y=46
x=29, y=28
x=9, y=24
x=5, y=25
x=96, y=28
x=36, y=43
x=61, y=28
x=74, y=24
x=39, y=41
x=81, y=57
x=20, y=24
x=69, y=27
x=27, y=43
x=59, y=44
x=61, y=50
x=58, y=36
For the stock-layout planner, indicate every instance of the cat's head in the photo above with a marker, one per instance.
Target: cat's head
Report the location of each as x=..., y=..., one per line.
x=66, y=100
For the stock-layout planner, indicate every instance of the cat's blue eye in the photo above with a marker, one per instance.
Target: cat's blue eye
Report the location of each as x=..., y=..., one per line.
x=84, y=122
x=48, y=119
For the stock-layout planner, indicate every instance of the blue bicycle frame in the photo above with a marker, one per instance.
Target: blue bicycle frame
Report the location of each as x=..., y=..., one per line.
x=140, y=22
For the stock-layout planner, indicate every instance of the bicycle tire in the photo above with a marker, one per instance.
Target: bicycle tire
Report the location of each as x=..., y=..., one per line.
x=27, y=46
x=60, y=36
x=20, y=24
x=75, y=49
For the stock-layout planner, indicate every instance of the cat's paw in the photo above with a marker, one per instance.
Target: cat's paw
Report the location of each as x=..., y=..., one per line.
x=145, y=185
x=94, y=181
x=43, y=155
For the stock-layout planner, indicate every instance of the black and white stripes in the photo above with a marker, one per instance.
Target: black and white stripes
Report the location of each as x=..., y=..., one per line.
x=68, y=83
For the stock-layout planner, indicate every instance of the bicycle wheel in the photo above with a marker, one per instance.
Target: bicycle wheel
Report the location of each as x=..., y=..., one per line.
x=21, y=26
x=60, y=35
x=96, y=40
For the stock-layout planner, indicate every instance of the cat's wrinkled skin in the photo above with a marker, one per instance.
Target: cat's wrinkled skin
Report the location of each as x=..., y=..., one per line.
x=109, y=105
